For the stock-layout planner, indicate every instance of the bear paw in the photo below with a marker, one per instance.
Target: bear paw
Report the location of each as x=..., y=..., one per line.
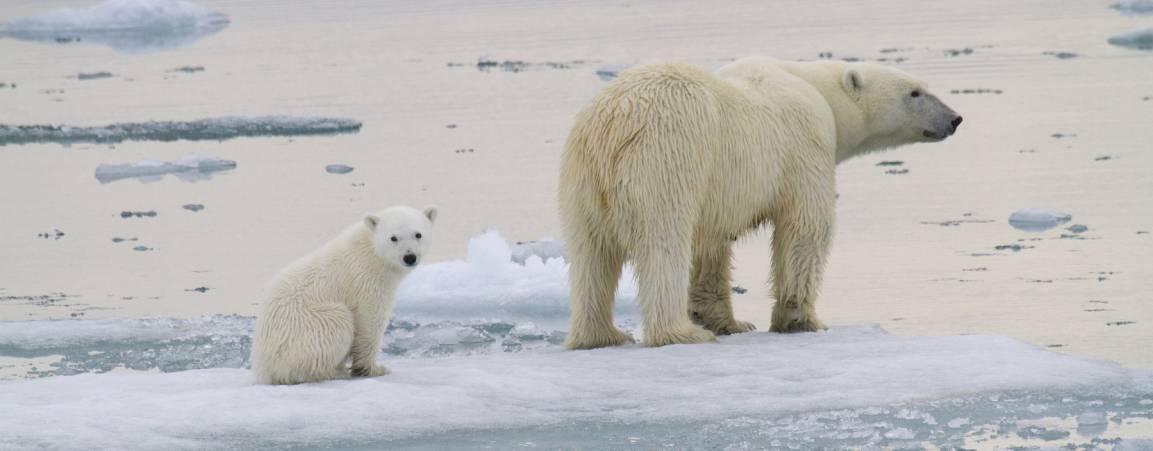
x=733, y=327
x=795, y=321
x=373, y=371
x=612, y=337
x=685, y=334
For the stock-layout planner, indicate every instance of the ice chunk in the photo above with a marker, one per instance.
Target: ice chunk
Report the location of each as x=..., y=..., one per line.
x=610, y=71
x=219, y=129
x=189, y=168
x=1134, y=7
x=848, y=387
x=1137, y=39
x=1037, y=220
x=132, y=26
x=544, y=249
x=489, y=284
x=338, y=169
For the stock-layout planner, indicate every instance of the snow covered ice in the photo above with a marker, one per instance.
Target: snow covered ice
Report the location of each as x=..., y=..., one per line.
x=1037, y=219
x=220, y=128
x=477, y=359
x=133, y=26
x=848, y=385
x=189, y=168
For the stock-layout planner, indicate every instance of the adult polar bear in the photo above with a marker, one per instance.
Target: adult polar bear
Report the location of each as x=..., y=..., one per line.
x=669, y=164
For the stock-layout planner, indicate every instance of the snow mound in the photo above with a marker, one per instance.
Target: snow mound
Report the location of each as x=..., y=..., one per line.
x=490, y=284
x=543, y=249
x=1137, y=39
x=1037, y=219
x=134, y=26
x=189, y=168
x=219, y=129
x=805, y=387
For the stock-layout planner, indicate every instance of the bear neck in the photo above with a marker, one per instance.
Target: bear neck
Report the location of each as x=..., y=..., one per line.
x=850, y=119
x=358, y=245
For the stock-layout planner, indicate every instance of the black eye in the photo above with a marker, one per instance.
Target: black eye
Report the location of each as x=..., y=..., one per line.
x=915, y=94
x=418, y=235
x=394, y=239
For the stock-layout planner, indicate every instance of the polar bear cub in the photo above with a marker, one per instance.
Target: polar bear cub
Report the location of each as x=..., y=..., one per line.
x=331, y=306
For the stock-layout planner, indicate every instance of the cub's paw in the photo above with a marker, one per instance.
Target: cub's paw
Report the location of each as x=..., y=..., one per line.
x=373, y=371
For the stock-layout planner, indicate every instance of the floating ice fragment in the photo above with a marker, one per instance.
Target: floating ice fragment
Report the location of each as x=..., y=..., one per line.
x=189, y=168
x=1077, y=228
x=219, y=129
x=93, y=75
x=1134, y=7
x=610, y=71
x=1037, y=220
x=132, y=26
x=338, y=169
x=1137, y=39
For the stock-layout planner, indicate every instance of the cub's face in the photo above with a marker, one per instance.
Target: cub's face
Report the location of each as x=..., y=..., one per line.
x=401, y=235
x=899, y=109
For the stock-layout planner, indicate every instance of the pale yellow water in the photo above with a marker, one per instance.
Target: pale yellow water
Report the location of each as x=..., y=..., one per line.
x=387, y=65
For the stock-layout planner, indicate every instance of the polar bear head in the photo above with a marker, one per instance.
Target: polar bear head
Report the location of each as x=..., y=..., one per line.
x=400, y=235
x=897, y=109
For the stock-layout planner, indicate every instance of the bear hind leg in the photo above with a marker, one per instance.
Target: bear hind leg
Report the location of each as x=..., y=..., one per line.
x=315, y=346
x=595, y=265
x=663, y=266
x=710, y=295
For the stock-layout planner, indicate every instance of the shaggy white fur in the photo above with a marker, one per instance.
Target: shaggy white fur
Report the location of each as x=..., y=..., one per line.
x=669, y=164
x=332, y=305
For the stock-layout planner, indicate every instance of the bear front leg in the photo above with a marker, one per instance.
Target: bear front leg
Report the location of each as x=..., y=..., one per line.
x=710, y=296
x=366, y=346
x=801, y=240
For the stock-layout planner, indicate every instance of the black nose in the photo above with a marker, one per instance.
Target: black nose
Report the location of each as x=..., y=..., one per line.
x=409, y=259
x=956, y=123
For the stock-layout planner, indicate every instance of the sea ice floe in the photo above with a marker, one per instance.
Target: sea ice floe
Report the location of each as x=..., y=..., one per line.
x=132, y=26
x=610, y=71
x=1037, y=219
x=1134, y=7
x=189, y=168
x=846, y=387
x=218, y=129
x=1138, y=39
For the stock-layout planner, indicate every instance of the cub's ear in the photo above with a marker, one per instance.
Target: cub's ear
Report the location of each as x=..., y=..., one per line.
x=430, y=213
x=371, y=221
x=852, y=80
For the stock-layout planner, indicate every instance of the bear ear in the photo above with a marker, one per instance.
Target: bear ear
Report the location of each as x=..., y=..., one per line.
x=371, y=221
x=430, y=213
x=852, y=80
